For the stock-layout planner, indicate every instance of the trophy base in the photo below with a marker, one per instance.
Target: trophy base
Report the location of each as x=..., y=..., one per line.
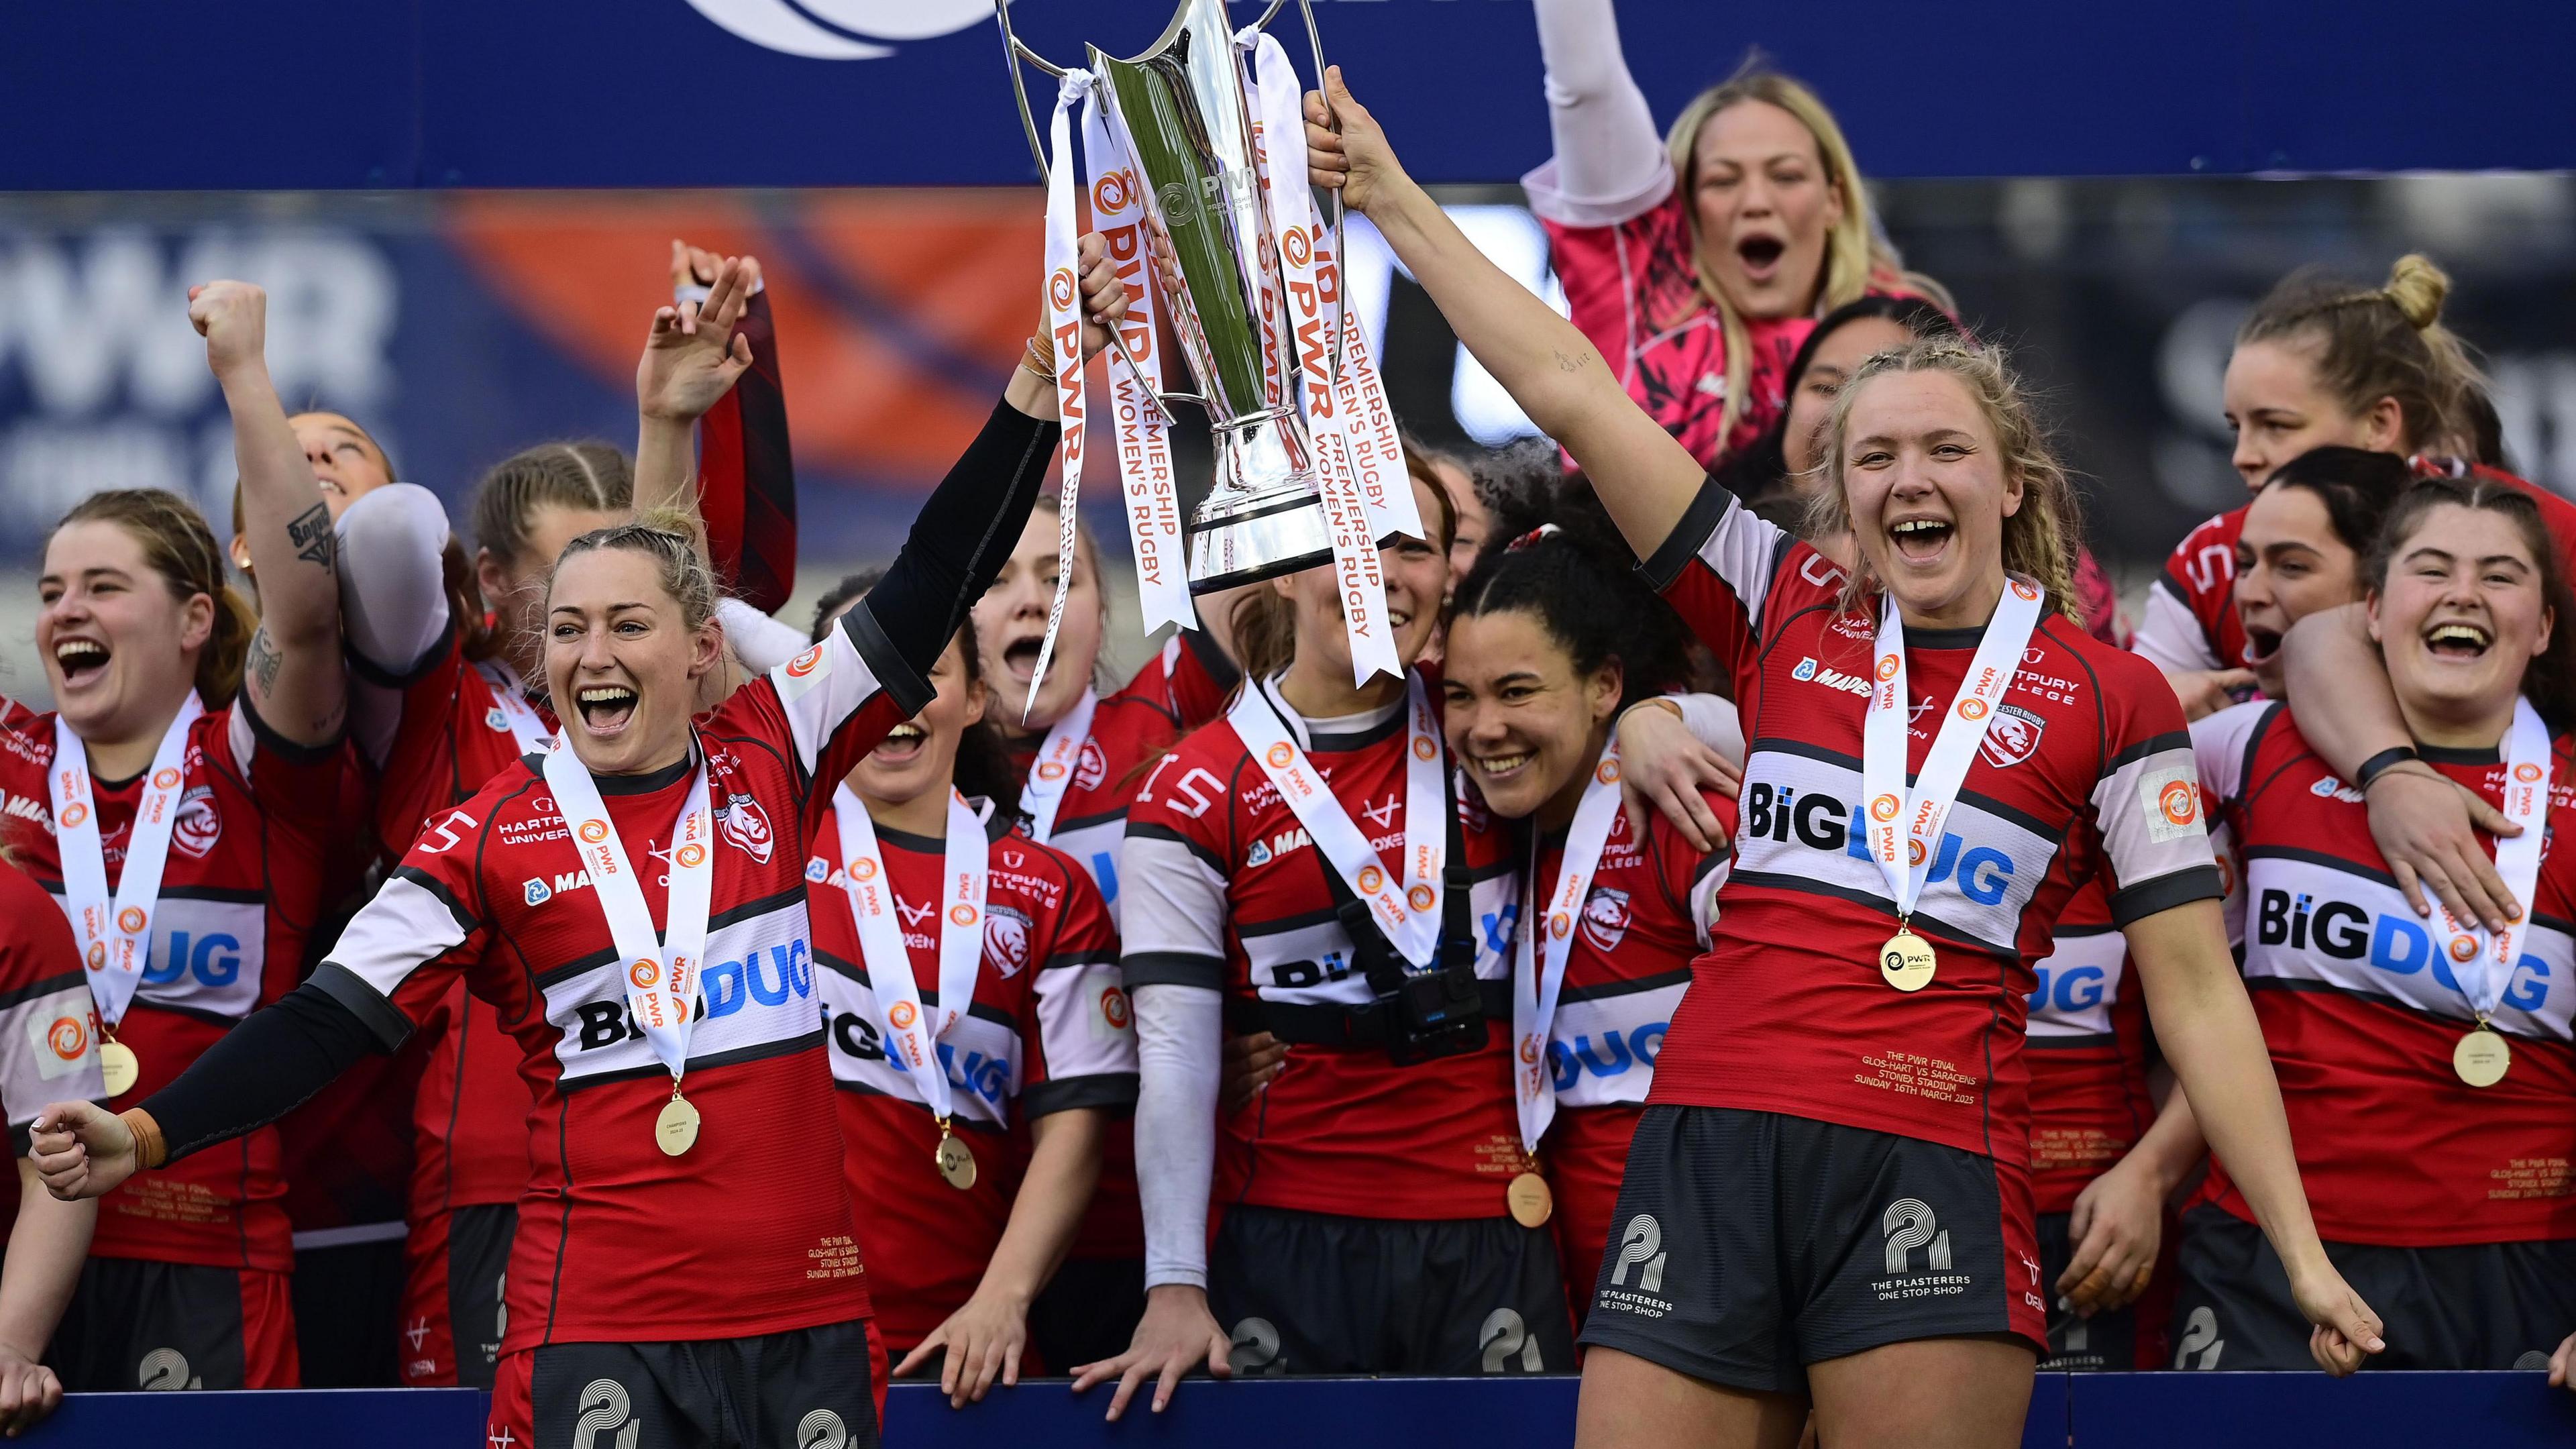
x=1234, y=549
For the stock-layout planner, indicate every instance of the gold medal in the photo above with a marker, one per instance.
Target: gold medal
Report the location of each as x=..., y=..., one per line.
x=676, y=1130
x=1907, y=960
x=118, y=1064
x=1530, y=1200
x=956, y=1160
x=2481, y=1057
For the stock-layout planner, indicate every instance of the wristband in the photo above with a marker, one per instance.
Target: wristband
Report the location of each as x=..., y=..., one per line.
x=149, y=1149
x=2380, y=764
x=1037, y=364
x=688, y=292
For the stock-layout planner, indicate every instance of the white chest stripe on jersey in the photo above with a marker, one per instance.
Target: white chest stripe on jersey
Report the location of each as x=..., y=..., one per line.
x=1603, y=1048
x=1312, y=965
x=759, y=992
x=1799, y=830
x=2309, y=923
x=2077, y=984
x=980, y=1056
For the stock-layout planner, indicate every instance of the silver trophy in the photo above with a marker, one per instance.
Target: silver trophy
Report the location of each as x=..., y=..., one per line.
x=1179, y=109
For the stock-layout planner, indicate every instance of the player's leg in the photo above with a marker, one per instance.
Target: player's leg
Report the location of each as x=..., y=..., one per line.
x=1629, y=1403
x=1931, y=1393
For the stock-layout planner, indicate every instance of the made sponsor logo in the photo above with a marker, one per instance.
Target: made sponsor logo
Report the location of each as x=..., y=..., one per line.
x=1809, y=671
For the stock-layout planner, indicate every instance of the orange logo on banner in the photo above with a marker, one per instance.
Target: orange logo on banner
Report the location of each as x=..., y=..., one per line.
x=1887, y=666
x=2527, y=773
x=2464, y=948
x=166, y=779
x=1113, y=1007
x=803, y=664
x=68, y=1038
x=98, y=955
x=1914, y=852
x=594, y=831
x=1280, y=754
x=1109, y=193
x=961, y=914
x=1559, y=924
x=1972, y=709
x=1371, y=878
x=2024, y=590
x=130, y=920
x=2178, y=803
x=863, y=869
x=902, y=1015
x=692, y=856
x=74, y=814
x=1419, y=897
x=1607, y=773
x=1883, y=808
x=1060, y=287
x=1529, y=1049
x=1051, y=770
x=1424, y=749
x=644, y=974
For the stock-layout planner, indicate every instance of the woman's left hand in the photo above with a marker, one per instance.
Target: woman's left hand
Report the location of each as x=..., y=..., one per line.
x=2562, y=1365
x=2117, y=1226
x=2346, y=1331
x=1346, y=150
x=692, y=357
x=1662, y=766
x=984, y=1340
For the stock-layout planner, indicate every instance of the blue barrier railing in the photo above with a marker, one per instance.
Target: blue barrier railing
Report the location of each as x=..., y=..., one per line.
x=2067, y=1411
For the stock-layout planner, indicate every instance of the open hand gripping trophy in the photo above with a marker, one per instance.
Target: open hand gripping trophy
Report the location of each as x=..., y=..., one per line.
x=1196, y=156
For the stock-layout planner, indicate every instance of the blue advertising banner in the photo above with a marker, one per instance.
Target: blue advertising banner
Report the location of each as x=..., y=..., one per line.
x=302, y=94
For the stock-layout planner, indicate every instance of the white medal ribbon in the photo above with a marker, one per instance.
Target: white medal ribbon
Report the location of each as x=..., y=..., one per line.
x=1138, y=425
x=1904, y=828
x=526, y=728
x=1406, y=902
x=1059, y=754
x=908, y=1025
x=1537, y=982
x=1313, y=279
x=662, y=973
x=2483, y=961
x=1064, y=332
x=116, y=933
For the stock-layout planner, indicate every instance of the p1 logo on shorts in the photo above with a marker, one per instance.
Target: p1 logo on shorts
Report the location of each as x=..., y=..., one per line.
x=1505, y=1338
x=1640, y=1247
x=2199, y=1346
x=822, y=1429
x=604, y=1406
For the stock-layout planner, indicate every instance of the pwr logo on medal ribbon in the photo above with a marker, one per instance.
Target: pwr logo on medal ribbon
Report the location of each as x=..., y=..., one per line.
x=692, y=856
x=1423, y=749
x=75, y=815
x=1887, y=666
x=2464, y=949
x=1051, y=771
x=166, y=778
x=1372, y=879
x=1279, y=755
x=1294, y=245
x=131, y=920
x=1060, y=288
x=2527, y=773
x=1607, y=772
x=1883, y=808
x=645, y=974
x=1529, y=1049
x=594, y=831
x=862, y=868
x=1972, y=709
x=98, y=955
x=902, y=1015
x=1419, y=897
x=961, y=915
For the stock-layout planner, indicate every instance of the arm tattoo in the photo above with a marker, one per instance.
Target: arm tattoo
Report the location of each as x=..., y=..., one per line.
x=263, y=664
x=1575, y=363
x=311, y=534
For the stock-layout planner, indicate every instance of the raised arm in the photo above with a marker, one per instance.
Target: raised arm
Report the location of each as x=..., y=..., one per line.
x=2209, y=1033
x=295, y=678
x=2425, y=825
x=692, y=358
x=1645, y=478
x=1610, y=161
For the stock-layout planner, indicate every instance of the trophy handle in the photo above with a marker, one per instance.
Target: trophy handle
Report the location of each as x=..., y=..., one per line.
x=1013, y=52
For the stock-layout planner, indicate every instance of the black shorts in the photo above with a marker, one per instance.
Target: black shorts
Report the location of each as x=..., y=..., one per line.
x=2480, y=1306
x=137, y=1324
x=2105, y=1341
x=452, y=1315
x=1316, y=1293
x=817, y=1388
x=1088, y=1312
x=348, y=1304
x=1748, y=1245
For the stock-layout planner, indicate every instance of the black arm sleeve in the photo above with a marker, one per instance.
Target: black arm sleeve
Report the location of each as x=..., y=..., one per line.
x=961, y=537
x=261, y=1070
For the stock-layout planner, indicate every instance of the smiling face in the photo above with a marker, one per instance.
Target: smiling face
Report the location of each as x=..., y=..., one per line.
x=1925, y=482
x=2459, y=617
x=2279, y=408
x=621, y=663
x=1766, y=208
x=1417, y=580
x=1836, y=357
x=1011, y=621
x=1527, y=726
x=119, y=645
x=2289, y=564
x=919, y=756
x=346, y=461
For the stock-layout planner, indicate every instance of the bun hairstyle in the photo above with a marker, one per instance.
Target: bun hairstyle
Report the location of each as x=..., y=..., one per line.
x=2550, y=680
x=2375, y=342
x=1857, y=253
x=179, y=547
x=2357, y=487
x=984, y=766
x=2039, y=538
x=1566, y=566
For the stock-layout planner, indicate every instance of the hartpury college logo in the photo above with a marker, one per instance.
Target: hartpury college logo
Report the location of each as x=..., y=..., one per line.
x=840, y=29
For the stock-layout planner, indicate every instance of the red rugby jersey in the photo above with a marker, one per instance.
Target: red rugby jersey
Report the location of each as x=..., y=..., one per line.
x=48, y=1024
x=249, y=859
x=470, y=1113
x=618, y=1243
x=1226, y=892
x=2086, y=770
x=2087, y=1053
x=2360, y=1005
x=1049, y=1030
x=2191, y=607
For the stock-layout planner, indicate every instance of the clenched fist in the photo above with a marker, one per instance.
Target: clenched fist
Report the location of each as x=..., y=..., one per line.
x=81, y=1149
x=233, y=318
